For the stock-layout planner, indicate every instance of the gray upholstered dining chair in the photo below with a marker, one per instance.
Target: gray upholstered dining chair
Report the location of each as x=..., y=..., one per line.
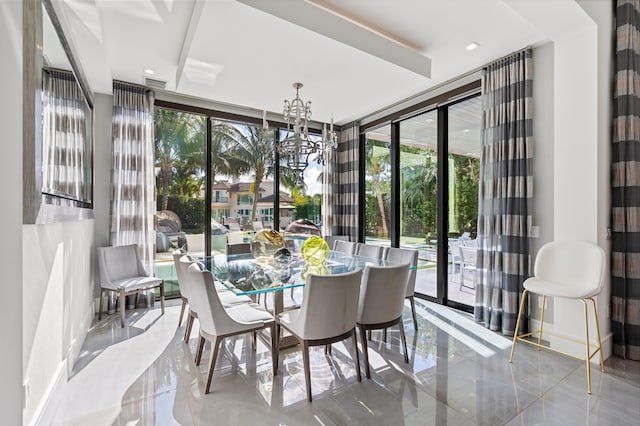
x=381, y=303
x=409, y=257
x=122, y=272
x=369, y=250
x=218, y=322
x=227, y=297
x=342, y=246
x=327, y=315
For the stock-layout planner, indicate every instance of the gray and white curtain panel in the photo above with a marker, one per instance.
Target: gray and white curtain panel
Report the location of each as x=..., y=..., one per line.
x=64, y=133
x=625, y=182
x=342, y=180
x=132, y=174
x=505, y=190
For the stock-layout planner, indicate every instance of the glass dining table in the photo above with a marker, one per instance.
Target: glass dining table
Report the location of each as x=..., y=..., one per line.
x=245, y=275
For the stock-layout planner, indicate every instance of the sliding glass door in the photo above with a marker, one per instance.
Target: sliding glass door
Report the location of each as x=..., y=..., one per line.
x=421, y=191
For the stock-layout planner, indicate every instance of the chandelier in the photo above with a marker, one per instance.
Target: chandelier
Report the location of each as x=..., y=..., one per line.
x=296, y=147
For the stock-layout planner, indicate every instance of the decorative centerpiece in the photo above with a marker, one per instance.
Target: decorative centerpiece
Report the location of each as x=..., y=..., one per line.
x=265, y=244
x=298, y=232
x=315, y=250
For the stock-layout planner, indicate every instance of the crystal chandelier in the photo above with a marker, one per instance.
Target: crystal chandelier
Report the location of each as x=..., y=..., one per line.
x=296, y=146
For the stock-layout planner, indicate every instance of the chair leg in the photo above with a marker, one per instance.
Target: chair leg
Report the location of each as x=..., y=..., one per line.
x=586, y=342
x=199, y=350
x=544, y=302
x=254, y=339
x=184, y=304
x=413, y=311
x=404, y=342
x=307, y=368
x=212, y=364
x=162, y=296
x=384, y=335
x=122, y=305
x=365, y=350
x=515, y=332
x=595, y=313
x=102, y=291
x=356, y=357
x=275, y=347
x=187, y=330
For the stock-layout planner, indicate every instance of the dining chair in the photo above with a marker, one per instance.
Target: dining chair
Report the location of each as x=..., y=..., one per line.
x=342, y=246
x=408, y=257
x=331, y=239
x=122, y=272
x=570, y=270
x=468, y=257
x=369, y=250
x=381, y=303
x=227, y=297
x=218, y=322
x=327, y=315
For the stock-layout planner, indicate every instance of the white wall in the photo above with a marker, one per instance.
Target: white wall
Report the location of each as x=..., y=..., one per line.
x=58, y=304
x=11, y=196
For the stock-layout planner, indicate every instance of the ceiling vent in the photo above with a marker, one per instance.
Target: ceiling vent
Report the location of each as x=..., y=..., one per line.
x=155, y=84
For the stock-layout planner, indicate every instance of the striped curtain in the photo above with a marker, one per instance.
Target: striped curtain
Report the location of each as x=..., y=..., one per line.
x=342, y=182
x=625, y=182
x=132, y=174
x=505, y=190
x=65, y=156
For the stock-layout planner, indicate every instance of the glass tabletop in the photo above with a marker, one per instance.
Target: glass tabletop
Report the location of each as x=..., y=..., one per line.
x=245, y=275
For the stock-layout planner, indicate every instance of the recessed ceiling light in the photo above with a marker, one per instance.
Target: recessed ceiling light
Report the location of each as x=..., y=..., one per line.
x=472, y=46
x=149, y=71
x=466, y=131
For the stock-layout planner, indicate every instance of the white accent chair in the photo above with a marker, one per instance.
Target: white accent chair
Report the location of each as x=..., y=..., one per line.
x=347, y=247
x=327, y=315
x=570, y=270
x=381, y=304
x=468, y=258
x=369, y=250
x=218, y=322
x=121, y=271
x=407, y=257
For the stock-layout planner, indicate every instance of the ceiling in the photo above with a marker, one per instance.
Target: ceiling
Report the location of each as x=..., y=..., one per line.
x=354, y=57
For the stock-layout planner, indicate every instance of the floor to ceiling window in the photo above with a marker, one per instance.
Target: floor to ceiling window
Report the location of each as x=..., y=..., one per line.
x=433, y=156
x=377, y=211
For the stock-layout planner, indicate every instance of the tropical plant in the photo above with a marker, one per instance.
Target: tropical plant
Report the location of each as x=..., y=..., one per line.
x=179, y=139
x=378, y=168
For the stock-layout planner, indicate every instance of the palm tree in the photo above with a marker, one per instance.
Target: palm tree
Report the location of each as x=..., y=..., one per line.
x=251, y=154
x=178, y=138
x=376, y=165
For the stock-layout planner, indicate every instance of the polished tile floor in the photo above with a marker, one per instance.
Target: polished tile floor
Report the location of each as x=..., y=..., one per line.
x=458, y=374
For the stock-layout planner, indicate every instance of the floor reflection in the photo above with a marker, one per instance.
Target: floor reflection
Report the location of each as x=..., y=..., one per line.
x=458, y=373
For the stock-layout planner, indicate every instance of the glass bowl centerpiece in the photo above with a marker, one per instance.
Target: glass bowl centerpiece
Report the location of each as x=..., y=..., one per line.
x=265, y=244
x=297, y=233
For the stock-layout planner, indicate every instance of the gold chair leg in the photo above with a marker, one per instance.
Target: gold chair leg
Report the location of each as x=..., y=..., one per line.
x=586, y=337
x=515, y=332
x=544, y=302
x=595, y=312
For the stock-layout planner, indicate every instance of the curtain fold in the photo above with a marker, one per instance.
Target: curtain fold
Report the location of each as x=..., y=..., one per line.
x=625, y=184
x=505, y=190
x=132, y=175
x=64, y=134
x=342, y=185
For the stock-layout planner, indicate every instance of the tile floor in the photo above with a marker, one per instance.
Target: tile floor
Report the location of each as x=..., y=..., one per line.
x=458, y=374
